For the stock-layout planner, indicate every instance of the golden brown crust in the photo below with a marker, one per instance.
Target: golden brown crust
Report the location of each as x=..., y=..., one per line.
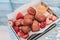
x=40, y=17
x=28, y=21
x=25, y=29
x=35, y=26
x=28, y=16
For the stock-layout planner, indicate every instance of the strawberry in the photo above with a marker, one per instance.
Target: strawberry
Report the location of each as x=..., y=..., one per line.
x=49, y=16
x=20, y=34
x=23, y=35
x=48, y=21
x=42, y=24
x=16, y=29
x=54, y=18
x=11, y=22
x=31, y=11
x=19, y=16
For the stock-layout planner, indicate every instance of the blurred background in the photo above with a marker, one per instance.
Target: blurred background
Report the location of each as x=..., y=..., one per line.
x=8, y=6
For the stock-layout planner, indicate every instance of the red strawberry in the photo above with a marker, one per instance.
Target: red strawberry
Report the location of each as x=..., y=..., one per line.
x=11, y=22
x=42, y=24
x=26, y=35
x=19, y=16
x=48, y=21
x=20, y=34
x=31, y=11
x=23, y=35
x=54, y=18
x=16, y=29
x=49, y=17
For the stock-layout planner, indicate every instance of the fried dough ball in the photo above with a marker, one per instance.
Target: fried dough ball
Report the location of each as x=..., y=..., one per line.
x=35, y=26
x=22, y=22
x=25, y=29
x=28, y=21
x=29, y=16
x=31, y=11
x=40, y=17
x=42, y=8
x=19, y=22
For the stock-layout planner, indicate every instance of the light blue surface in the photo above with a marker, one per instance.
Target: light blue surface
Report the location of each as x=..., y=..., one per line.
x=52, y=2
x=8, y=6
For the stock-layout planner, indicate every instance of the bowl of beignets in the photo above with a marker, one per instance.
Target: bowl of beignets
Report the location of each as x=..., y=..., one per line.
x=34, y=18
